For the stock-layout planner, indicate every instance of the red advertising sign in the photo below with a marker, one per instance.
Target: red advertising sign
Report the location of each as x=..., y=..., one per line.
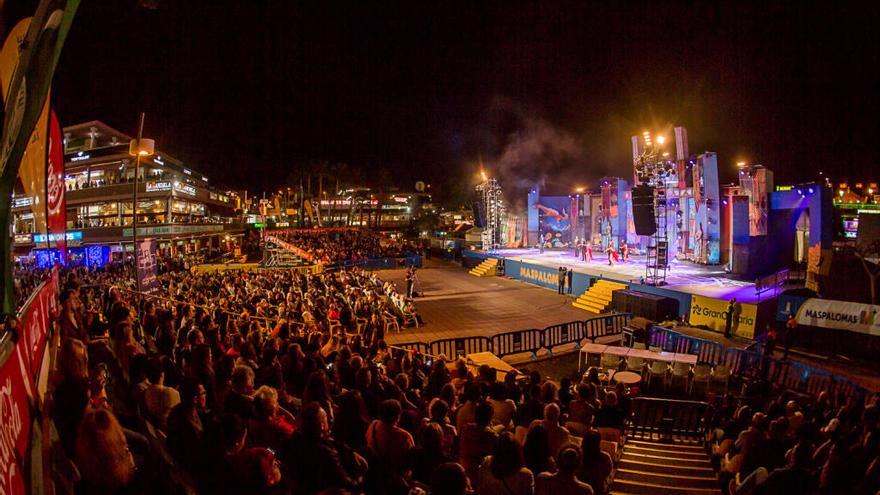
x=35, y=324
x=15, y=423
x=55, y=202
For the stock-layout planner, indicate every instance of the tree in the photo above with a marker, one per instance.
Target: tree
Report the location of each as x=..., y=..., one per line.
x=869, y=254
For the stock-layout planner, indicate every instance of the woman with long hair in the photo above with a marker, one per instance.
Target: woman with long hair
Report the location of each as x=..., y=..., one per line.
x=318, y=390
x=596, y=465
x=504, y=472
x=71, y=392
x=352, y=420
x=102, y=454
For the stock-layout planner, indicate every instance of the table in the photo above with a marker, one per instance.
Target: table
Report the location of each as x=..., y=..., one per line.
x=590, y=348
x=690, y=359
x=478, y=359
x=616, y=350
x=627, y=377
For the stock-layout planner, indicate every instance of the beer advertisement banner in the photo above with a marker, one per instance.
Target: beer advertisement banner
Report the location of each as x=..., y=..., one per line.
x=147, y=270
x=55, y=202
x=840, y=315
x=713, y=313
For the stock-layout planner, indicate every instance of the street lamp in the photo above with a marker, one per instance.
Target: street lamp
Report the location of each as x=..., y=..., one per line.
x=137, y=148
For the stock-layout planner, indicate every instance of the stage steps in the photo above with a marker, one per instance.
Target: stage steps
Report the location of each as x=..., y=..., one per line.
x=485, y=269
x=654, y=468
x=597, y=298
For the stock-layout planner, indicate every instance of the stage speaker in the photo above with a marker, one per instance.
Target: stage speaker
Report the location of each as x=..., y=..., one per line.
x=643, y=210
x=479, y=211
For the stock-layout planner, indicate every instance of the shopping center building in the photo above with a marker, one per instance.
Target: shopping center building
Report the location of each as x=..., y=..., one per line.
x=177, y=205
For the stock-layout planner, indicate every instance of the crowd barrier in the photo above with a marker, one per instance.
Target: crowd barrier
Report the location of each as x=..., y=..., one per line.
x=379, y=263
x=792, y=375
x=525, y=341
x=24, y=375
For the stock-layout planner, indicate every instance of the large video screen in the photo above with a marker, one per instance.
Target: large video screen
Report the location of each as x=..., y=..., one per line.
x=555, y=218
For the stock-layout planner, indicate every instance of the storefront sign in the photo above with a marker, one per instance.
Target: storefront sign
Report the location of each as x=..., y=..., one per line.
x=184, y=188
x=840, y=315
x=73, y=235
x=80, y=157
x=713, y=313
x=158, y=186
x=22, y=201
x=22, y=238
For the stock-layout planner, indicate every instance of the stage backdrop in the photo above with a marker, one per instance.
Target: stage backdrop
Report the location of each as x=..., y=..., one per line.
x=713, y=313
x=555, y=217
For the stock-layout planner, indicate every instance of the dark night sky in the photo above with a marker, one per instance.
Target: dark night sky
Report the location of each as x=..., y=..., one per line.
x=246, y=90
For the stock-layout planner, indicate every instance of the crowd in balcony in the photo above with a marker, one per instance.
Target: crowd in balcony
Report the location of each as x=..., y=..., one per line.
x=340, y=245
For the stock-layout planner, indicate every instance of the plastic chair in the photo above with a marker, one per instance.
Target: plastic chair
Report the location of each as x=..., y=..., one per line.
x=702, y=373
x=390, y=322
x=635, y=364
x=658, y=369
x=610, y=361
x=682, y=371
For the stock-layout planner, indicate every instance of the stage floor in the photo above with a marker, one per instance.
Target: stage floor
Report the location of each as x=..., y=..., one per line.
x=456, y=304
x=683, y=276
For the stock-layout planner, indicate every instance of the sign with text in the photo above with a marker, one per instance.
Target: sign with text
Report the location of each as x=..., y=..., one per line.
x=157, y=186
x=840, y=315
x=147, y=271
x=184, y=188
x=713, y=313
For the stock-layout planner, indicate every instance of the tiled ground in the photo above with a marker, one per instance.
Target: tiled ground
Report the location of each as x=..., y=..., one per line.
x=456, y=304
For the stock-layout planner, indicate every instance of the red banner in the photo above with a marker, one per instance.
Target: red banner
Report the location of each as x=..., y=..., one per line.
x=15, y=422
x=35, y=324
x=56, y=206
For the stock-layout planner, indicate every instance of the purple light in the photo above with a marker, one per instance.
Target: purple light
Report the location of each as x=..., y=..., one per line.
x=724, y=202
x=810, y=190
x=800, y=192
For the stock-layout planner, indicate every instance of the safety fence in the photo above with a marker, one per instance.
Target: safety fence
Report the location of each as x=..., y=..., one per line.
x=379, y=263
x=791, y=375
x=525, y=341
x=668, y=418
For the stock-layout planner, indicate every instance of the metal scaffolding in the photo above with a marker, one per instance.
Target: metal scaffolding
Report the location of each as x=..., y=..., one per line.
x=493, y=204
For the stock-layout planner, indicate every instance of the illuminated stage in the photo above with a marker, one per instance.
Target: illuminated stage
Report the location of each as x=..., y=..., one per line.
x=686, y=277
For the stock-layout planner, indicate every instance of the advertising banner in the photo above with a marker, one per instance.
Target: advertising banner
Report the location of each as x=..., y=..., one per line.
x=147, y=268
x=533, y=274
x=56, y=208
x=840, y=315
x=713, y=313
x=15, y=422
x=35, y=324
x=555, y=218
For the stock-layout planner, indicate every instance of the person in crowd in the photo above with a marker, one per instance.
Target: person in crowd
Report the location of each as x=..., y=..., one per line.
x=536, y=450
x=312, y=459
x=450, y=479
x=504, y=409
x=158, y=399
x=504, y=471
x=564, y=481
x=387, y=441
x=240, y=399
x=477, y=440
x=596, y=464
x=557, y=435
x=186, y=425
x=102, y=455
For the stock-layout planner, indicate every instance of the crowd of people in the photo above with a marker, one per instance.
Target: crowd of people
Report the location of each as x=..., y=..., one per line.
x=770, y=442
x=273, y=382
x=339, y=245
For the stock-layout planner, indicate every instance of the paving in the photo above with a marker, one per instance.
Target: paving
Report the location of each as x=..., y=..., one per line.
x=455, y=304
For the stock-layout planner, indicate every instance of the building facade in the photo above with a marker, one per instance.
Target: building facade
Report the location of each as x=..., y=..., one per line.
x=177, y=205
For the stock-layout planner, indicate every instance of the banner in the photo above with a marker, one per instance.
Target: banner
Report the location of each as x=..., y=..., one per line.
x=15, y=422
x=554, y=215
x=35, y=323
x=840, y=315
x=533, y=274
x=713, y=314
x=56, y=205
x=147, y=269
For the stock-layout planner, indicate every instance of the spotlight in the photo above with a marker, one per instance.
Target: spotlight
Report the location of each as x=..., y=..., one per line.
x=810, y=190
x=800, y=192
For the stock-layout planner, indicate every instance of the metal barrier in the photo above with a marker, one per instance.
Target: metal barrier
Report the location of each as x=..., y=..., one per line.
x=666, y=417
x=563, y=333
x=507, y=343
x=460, y=346
x=379, y=263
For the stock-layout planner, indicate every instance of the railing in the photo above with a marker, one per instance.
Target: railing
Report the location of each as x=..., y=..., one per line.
x=792, y=375
x=379, y=263
x=526, y=341
x=666, y=418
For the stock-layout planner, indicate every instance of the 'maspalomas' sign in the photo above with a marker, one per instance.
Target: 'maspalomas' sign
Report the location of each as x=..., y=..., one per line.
x=840, y=315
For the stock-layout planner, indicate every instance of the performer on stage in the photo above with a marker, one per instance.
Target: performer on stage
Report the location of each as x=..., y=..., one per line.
x=625, y=250
x=588, y=252
x=612, y=254
x=576, y=245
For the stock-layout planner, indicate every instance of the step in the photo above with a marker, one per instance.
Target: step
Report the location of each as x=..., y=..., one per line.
x=668, y=488
x=677, y=480
x=678, y=454
x=665, y=459
x=653, y=467
x=586, y=308
x=674, y=447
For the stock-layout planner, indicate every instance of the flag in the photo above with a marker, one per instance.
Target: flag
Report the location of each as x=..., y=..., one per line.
x=56, y=206
x=24, y=101
x=147, y=271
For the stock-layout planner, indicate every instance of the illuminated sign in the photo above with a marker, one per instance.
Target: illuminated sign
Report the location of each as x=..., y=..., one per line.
x=74, y=235
x=187, y=172
x=259, y=225
x=400, y=199
x=158, y=186
x=22, y=238
x=80, y=157
x=282, y=224
x=204, y=178
x=184, y=188
x=22, y=202
x=158, y=159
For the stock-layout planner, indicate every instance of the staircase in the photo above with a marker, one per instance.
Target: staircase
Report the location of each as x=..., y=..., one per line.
x=597, y=298
x=485, y=269
x=655, y=468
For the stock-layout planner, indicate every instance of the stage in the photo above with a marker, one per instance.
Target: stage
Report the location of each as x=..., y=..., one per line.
x=682, y=276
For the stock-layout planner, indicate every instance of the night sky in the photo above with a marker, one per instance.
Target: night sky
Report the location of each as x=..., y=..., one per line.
x=248, y=91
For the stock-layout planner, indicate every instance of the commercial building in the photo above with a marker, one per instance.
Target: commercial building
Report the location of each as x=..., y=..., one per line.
x=177, y=205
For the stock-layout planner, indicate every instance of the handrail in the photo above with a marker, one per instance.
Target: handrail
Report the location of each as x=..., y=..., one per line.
x=672, y=417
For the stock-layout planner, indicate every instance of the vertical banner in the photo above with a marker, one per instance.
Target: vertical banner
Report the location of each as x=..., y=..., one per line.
x=32, y=171
x=56, y=206
x=147, y=269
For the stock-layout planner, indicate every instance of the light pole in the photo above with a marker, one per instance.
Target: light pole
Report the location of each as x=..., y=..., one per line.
x=138, y=147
